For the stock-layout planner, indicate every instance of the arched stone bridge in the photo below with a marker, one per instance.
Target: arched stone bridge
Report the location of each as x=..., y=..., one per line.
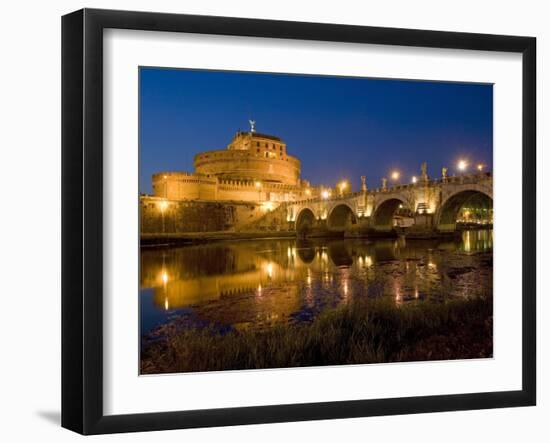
x=432, y=205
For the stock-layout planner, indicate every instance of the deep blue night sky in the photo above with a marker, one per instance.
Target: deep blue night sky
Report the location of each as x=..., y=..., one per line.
x=339, y=127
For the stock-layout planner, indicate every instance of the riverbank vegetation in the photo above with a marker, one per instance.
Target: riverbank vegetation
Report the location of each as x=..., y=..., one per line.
x=373, y=331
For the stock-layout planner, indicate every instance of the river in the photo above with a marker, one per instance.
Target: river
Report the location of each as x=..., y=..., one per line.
x=256, y=284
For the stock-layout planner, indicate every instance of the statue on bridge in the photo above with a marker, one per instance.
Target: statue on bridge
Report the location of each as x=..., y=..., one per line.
x=363, y=183
x=424, y=174
x=384, y=184
x=444, y=174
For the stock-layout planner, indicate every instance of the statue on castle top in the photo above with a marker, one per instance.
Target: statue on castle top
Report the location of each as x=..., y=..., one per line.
x=363, y=183
x=252, y=125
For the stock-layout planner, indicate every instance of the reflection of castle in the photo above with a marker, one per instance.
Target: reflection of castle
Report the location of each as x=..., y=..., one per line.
x=254, y=167
x=268, y=281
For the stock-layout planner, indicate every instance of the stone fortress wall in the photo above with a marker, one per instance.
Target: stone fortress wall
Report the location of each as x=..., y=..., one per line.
x=253, y=156
x=184, y=186
x=253, y=168
x=159, y=215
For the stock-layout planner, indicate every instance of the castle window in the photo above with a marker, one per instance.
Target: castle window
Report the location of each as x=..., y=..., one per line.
x=257, y=144
x=257, y=150
x=266, y=154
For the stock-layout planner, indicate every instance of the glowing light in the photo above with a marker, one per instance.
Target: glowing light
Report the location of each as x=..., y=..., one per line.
x=342, y=186
x=467, y=242
x=395, y=175
x=414, y=179
x=325, y=194
x=259, y=289
x=398, y=297
x=164, y=277
x=480, y=167
x=462, y=165
x=267, y=206
x=308, y=191
x=163, y=205
x=269, y=270
x=258, y=184
x=166, y=305
x=164, y=177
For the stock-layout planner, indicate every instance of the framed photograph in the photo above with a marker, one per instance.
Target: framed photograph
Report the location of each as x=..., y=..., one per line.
x=268, y=221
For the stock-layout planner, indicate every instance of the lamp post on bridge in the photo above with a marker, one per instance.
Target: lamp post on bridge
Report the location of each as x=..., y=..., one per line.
x=342, y=186
x=395, y=176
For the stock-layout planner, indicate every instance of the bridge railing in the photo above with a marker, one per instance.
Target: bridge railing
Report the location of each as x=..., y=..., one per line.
x=451, y=179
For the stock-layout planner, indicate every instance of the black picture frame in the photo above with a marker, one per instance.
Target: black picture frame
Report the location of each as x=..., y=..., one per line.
x=82, y=219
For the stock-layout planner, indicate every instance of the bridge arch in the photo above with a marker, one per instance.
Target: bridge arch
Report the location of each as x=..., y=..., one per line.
x=305, y=220
x=341, y=217
x=450, y=207
x=382, y=215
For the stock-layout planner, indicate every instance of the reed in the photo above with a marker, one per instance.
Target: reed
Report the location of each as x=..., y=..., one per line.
x=373, y=331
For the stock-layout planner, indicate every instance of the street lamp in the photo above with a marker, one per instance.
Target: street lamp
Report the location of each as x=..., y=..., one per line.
x=395, y=175
x=163, y=205
x=414, y=179
x=462, y=165
x=480, y=167
x=342, y=186
x=325, y=194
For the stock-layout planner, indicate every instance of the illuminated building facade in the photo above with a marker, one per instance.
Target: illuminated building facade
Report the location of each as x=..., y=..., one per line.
x=254, y=167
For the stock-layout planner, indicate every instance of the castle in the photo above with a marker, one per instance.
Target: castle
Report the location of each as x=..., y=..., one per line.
x=254, y=168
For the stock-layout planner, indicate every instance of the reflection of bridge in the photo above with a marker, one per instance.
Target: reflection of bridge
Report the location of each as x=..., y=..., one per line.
x=432, y=205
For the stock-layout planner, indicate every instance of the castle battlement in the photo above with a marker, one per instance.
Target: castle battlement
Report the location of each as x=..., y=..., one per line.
x=253, y=167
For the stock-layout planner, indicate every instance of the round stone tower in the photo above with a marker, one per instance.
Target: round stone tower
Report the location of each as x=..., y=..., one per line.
x=251, y=156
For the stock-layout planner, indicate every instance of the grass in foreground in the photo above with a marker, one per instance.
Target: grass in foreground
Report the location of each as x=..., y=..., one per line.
x=373, y=331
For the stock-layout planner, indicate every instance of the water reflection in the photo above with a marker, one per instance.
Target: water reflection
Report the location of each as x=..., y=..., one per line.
x=259, y=283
